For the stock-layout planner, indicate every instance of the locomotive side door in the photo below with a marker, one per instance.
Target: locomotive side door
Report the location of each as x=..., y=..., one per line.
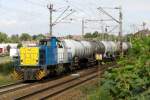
x=62, y=53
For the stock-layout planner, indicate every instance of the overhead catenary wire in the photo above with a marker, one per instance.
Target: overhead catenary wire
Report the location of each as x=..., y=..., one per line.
x=65, y=17
x=88, y=15
x=93, y=4
x=61, y=14
x=93, y=11
x=77, y=8
x=102, y=10
x=113, y=29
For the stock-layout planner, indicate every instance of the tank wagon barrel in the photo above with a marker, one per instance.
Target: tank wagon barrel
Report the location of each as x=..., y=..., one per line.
x=125, y=46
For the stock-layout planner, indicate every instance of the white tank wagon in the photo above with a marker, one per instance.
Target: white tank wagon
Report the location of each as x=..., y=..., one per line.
x=125, y=46
x=96, y=47
x=75, y=48
x=108, y=48
x=87, y=49
x=101, y=47
x=79, y=49
x=113, y=46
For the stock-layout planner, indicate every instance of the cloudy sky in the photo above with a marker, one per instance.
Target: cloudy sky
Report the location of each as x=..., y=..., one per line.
x=32, y=16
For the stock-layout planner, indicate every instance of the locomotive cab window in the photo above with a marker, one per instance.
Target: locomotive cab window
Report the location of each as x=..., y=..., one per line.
x=59, y=45
x=44, y=43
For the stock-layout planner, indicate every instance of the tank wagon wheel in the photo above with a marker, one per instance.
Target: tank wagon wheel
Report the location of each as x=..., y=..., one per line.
x=76, y=63
x=71, y=67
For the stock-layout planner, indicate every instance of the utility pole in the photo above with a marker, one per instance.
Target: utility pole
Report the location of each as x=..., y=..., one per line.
x=120, y=28
x=50, y=7
x=83, y=27
x=144, y=24
x=117, y=21
x=59, y=19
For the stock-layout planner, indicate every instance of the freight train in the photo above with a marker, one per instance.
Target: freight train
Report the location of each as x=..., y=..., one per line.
x=55, y=56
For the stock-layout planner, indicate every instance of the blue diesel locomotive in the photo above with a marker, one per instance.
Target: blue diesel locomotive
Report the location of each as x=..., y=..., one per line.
x=54, y=56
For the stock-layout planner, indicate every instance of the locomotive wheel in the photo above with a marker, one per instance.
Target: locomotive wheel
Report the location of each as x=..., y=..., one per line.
x=60, y=69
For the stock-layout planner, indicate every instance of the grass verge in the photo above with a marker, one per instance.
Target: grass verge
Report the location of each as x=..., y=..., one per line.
x=5, y=73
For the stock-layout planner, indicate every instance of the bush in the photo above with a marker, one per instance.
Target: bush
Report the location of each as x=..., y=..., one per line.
x=6, y=68
x=132, y=79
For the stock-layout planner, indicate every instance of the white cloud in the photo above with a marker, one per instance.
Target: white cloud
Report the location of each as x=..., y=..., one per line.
x=7, y=23
x=136, y=5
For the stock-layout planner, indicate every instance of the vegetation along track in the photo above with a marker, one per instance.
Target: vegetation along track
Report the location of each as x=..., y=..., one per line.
x=44, y=90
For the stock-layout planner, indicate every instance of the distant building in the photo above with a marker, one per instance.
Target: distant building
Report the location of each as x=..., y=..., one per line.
x=29, y=43
x=2, y=50
x=75, y=37
x=143, y=33
x=3, y=47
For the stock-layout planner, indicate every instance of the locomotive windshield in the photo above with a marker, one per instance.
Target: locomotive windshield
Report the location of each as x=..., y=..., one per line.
x=44, y=43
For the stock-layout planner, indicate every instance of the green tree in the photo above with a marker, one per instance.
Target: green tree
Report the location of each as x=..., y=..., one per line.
x=88, y=35
x=128, y=37
x=19, y=45
x=8, y=40
x=38, y=37
x=25, y=37
x=95, y=34
x=14, y=38
x=3, y=37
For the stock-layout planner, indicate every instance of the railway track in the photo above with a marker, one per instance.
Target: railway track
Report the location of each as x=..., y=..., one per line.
x=52, y=91
x=9, y=85
x=70, y=85
x=46, y=90
x=14, y=86
x=6, y=88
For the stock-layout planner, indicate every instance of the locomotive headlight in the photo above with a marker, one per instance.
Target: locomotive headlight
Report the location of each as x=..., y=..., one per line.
x=21, y=60
x=37, y=60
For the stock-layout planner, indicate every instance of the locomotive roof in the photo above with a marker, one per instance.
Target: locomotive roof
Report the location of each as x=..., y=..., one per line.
x=48, y=39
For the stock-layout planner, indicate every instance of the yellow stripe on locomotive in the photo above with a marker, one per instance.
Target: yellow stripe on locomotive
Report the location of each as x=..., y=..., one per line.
x=29, y=56
x=16, y=75
x=40, y=74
